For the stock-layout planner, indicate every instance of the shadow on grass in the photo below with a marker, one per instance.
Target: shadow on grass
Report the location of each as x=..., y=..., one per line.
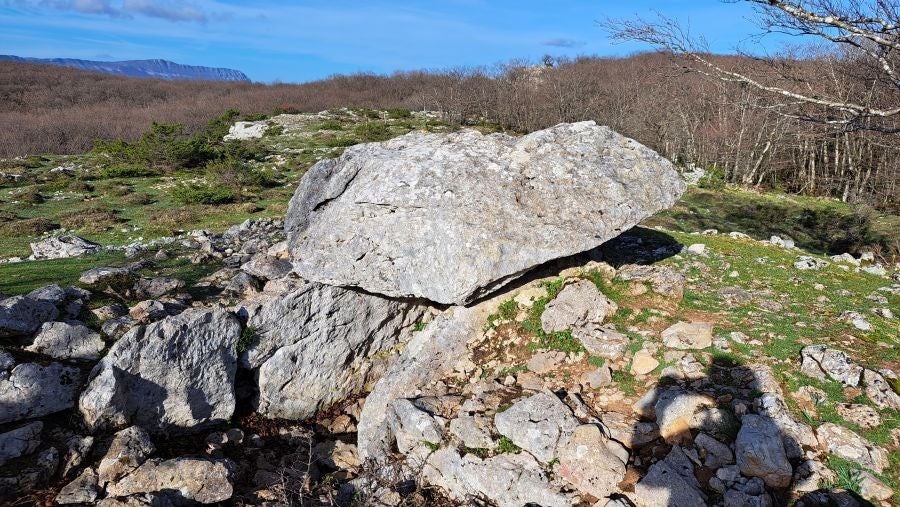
x=826, y=228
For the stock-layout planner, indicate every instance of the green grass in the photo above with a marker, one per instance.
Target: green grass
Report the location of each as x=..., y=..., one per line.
x=506, y=446
x=23, y=277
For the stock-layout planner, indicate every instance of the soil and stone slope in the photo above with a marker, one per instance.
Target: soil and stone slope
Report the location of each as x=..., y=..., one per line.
x=455, y=319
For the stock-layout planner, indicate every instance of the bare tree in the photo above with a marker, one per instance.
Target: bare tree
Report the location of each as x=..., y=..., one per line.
x=860, y=90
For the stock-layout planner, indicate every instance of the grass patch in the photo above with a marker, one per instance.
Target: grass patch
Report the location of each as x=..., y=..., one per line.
x=24, y=277
x=506, y=446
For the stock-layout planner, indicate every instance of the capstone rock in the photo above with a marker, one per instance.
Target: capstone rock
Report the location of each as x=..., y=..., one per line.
x=429, y=215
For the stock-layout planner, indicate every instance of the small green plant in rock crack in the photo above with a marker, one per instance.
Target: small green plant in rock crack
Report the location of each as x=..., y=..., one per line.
x=505, y=312
x=431, y=445
x=512, y=370
x=246, y=339
x=476, y=451
x=506, y=446
x=420, y=325
x=846, y=473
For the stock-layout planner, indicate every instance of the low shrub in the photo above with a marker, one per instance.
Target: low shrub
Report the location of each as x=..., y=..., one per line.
x=126, y=170
x=139, y=199
x=80, y=186
x=31, y=196
x=374, y=131
x=398, y=113
x=94, y=219
x=27, y=227
x=197, y=193
x=331, y=125
x=172, y=219
x=339, y=142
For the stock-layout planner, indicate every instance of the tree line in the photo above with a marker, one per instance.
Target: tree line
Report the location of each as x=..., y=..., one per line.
x=735, y=131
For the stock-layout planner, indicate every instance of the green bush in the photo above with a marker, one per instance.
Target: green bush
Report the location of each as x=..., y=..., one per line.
x=713, y=179
x=331, y=125
x=340, y=142
x=125, y=170
x=374, y=131
x=256, y=117
x=398, y=113
x=196, y=193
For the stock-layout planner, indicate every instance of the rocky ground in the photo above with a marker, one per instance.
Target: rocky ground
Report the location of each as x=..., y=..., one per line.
x=660, y=368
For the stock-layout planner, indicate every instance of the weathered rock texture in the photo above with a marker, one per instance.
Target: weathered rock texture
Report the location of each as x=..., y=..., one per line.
x=33, y=390
x=430, y=355
x=174, y=374
x=67, y=340
x=316, y=344
x=450, y=217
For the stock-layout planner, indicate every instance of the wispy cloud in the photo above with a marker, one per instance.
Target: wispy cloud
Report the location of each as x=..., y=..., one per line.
x=83, y=6
x=169, y=10
x=563, y=43
x=174, y=10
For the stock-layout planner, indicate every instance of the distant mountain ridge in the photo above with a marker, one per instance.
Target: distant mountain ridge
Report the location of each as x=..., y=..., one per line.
x=158, y=69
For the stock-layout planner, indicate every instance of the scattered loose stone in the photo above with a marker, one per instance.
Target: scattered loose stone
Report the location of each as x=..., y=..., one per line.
x=760, y=455
x=82, y=490
x=67, y=340
x=22, y=315
x=32, y=390
x=61, y=247
x=172, y=375
x=643, y=362
x=509, y=480
x=664, y=279
x=591, y=462
x=805, y=262
x=579, y=306
x=846, y=444
x=129, y=448
x=669, y=482
x=717, y=454
x=676, y=411
x=203, y=481
x=156, y=287
x=20, y=441
x=537, y=424
x=688, y=335
x=822, y=362
x=413, y=427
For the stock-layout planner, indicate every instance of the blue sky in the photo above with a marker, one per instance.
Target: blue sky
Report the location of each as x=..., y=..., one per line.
x=296, y=41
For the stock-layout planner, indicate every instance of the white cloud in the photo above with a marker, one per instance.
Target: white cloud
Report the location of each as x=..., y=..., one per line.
x=173, y=10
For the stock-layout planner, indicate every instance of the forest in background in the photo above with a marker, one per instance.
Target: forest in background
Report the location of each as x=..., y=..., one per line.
x=733, y=131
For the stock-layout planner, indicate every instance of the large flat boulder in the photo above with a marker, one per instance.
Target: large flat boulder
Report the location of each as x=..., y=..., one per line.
x=451, y=217
x=173, y=375
x=315, y=345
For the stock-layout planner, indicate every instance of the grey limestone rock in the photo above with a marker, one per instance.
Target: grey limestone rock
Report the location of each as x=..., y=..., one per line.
x=452, y=217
